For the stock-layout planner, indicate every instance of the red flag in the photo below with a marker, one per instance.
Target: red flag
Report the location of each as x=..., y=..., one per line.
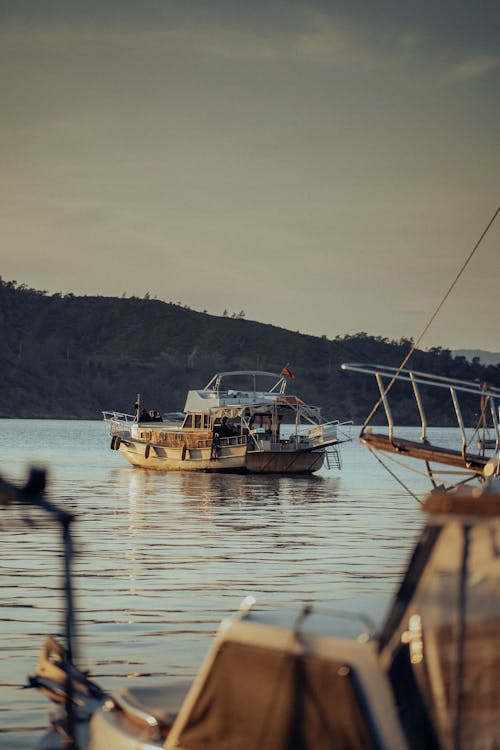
x=286, y=371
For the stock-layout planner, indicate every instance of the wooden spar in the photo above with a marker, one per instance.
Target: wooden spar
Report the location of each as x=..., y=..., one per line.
x=424, y=451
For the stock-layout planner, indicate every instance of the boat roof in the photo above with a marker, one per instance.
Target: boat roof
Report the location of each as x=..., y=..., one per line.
x=214, y=396
x=215, y=381
x=258, y=401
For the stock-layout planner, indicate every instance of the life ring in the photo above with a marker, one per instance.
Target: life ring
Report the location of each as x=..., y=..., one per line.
x=115, y=442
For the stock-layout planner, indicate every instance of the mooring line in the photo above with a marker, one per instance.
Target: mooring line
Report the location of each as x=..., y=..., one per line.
x=432, y=318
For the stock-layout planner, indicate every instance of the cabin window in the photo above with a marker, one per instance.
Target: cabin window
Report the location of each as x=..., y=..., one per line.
x=206, y=421
x=188, y=422
x=197, y=421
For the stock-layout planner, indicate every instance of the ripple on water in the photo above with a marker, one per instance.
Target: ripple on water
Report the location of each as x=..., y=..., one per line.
x=162, y=558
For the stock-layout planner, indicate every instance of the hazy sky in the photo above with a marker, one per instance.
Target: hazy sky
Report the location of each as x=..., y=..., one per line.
x=324, y=166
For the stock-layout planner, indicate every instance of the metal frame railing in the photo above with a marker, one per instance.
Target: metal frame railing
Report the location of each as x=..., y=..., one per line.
x=215, y=383
x=109, y=416
x=488, y=396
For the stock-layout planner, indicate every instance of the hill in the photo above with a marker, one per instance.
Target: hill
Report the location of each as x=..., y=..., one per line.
x=71, y=357
x=486, y=358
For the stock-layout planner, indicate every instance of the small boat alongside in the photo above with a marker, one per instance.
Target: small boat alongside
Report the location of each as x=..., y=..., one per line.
x=241, y=421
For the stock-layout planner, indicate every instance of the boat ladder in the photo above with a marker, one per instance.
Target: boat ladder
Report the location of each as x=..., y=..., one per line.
x=332, y=457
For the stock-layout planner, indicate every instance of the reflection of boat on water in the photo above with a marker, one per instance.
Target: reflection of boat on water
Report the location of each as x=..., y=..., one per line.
x=234, y=424
x=320, y=679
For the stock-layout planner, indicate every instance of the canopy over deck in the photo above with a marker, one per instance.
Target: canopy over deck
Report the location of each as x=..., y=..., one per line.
x=241, y=388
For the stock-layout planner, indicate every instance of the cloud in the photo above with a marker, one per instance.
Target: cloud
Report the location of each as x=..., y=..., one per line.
x=304, y=35
x=352, y=36
x=312, y=41
x=311, y=27
x=477, y=67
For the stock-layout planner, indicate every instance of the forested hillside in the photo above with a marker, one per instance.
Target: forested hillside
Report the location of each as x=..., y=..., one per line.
x=67, y=356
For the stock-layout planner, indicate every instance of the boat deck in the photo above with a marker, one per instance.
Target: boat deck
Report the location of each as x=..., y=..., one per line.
x=424, y=451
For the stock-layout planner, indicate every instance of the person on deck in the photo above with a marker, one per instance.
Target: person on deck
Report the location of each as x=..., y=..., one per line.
x=225, y=430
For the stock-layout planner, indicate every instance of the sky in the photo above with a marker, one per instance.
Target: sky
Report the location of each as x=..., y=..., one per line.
x=326, y=167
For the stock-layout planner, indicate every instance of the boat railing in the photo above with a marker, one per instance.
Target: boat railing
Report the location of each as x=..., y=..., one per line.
x=233, y=440
x=118, y=416
x=324, y=431
x=195, y=439
x=215, y=384
x=487, y=398
x=267, y=441
x=119, y=424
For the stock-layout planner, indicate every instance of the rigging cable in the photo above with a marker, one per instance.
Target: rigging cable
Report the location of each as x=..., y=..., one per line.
x=431, y=474
x=395, y=476
x=431, y=320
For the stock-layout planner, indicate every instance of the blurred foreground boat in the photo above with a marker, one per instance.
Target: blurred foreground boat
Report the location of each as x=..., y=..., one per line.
x=241, y=421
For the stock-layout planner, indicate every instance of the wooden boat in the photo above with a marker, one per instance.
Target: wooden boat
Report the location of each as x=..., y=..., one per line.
x=479, y=444
x=233, y=424
x=320, y=679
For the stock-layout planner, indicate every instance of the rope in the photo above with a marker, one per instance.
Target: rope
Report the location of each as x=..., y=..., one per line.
x=435, y=472
x=394, y=476
x=482, y=421
x=432, y=318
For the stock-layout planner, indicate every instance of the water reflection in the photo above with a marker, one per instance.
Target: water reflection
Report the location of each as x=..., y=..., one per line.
x=135, y=529
x=163, y=557
x=224, y=489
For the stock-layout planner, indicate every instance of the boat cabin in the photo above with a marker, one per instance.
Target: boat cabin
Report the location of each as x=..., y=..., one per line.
x=197, y=421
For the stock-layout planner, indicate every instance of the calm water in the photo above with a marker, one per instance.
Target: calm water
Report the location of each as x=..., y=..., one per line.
x=163, y=557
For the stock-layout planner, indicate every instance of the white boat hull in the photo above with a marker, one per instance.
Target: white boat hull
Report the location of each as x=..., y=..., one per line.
x=233, y=458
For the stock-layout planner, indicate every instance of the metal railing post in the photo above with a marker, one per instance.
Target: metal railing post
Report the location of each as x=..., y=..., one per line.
x=420, y=405
x=385, y=402
x=494, y=419
x=460, y=422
